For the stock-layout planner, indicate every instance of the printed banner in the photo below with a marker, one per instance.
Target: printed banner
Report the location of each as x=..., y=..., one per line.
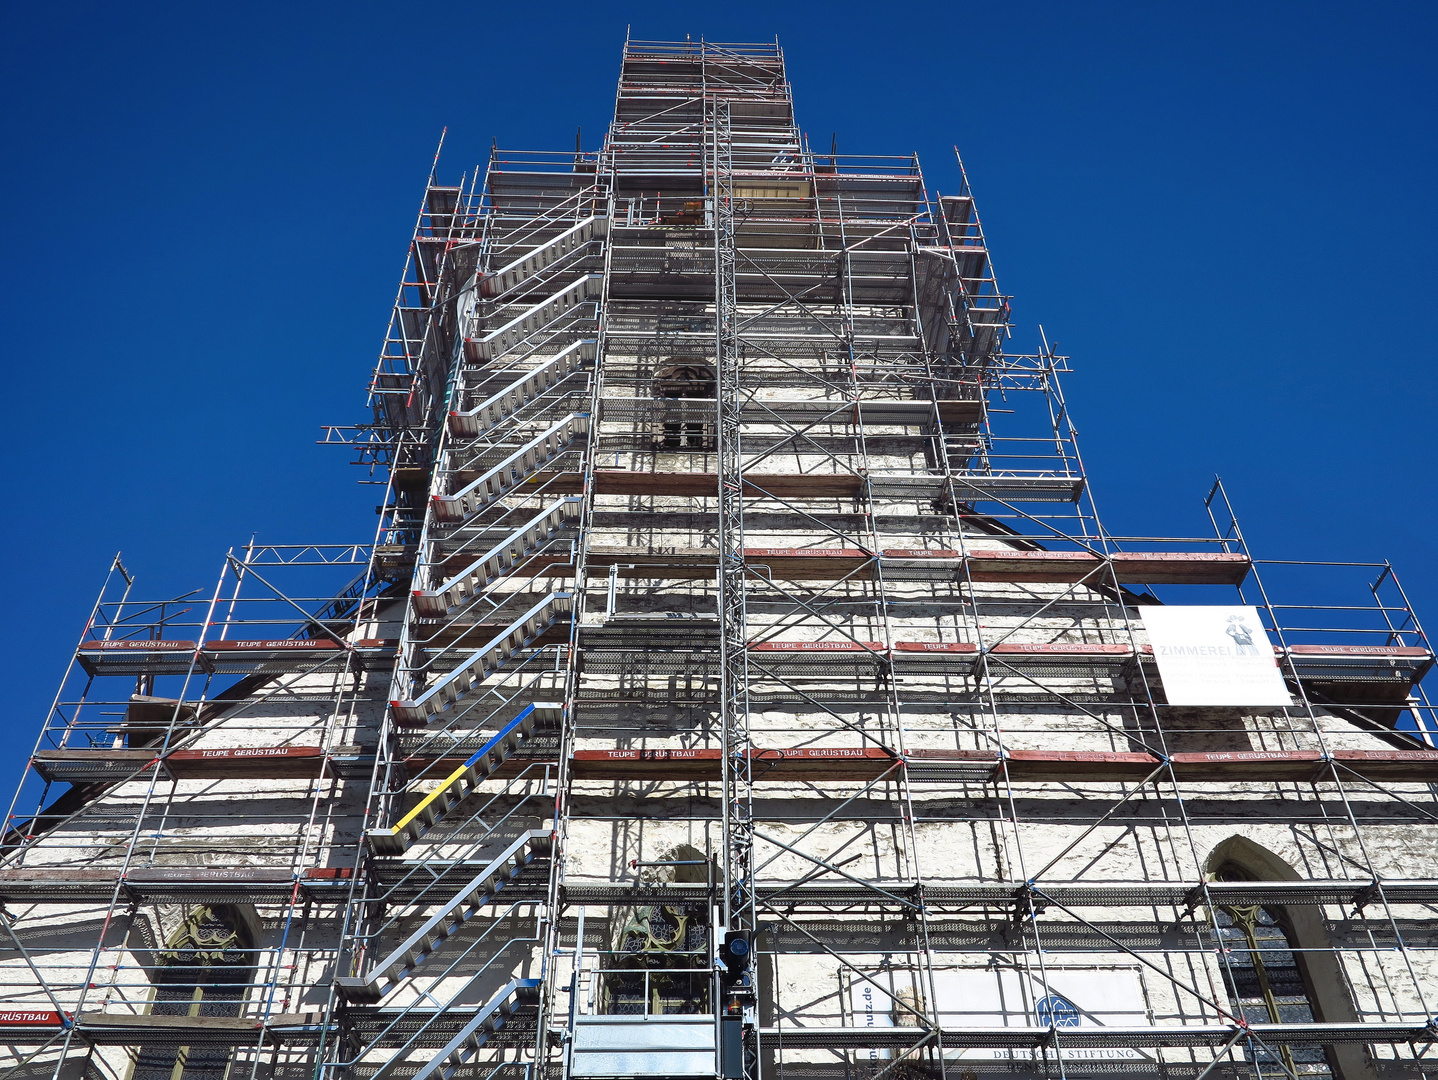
x=1214, y=656
x=1069, y=997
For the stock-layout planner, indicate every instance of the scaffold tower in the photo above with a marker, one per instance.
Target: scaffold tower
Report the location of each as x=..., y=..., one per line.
x=739, y=683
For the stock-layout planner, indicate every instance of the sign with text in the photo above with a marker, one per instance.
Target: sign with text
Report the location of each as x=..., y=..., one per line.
x=1214, y=656
x=987, y=998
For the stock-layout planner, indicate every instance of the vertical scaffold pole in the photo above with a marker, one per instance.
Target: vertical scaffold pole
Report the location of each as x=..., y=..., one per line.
x=738, y=903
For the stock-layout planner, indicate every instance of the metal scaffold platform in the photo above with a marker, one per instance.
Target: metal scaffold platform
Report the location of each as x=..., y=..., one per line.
x=740, y=682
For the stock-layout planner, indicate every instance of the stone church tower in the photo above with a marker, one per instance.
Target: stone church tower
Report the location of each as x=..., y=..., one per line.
x=740, y=683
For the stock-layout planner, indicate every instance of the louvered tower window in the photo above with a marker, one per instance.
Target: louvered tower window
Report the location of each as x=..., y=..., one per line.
x=683, y=379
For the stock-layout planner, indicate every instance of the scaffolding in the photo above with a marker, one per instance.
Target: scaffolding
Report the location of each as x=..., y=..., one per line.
x=739, y=681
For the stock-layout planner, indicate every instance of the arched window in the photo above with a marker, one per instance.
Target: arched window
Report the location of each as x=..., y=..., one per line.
x=1278, y=970
x=686, y=379
x=659, y=962
x=1264, y=979
x=204, y=970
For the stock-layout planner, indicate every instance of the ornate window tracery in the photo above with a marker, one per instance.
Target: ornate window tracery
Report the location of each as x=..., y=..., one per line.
x=1265, y=981
x=204, y=970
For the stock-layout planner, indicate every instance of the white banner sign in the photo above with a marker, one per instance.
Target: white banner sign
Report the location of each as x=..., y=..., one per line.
x=1070, y=997
x=1214, y=656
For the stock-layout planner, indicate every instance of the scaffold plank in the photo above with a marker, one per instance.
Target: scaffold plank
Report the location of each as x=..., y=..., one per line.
x=946, y=766
x=800, y=487
x=1137, y=568
x=258, y=762
x=277, y=656
x=830, y=564
x=170, y=884
x=22, y=1027
x=137, y=657
x=148, y=1029
x=1032, y=1038
x=938, y=894
x=870, y=411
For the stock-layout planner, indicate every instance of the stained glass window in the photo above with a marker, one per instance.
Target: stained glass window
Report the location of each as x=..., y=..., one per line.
x=1265, y=981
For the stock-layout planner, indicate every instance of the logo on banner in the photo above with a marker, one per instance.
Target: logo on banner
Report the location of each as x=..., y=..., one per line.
x=1242, y=635
x=1057, y=1011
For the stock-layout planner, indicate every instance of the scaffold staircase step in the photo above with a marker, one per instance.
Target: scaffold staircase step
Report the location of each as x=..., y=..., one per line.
x=498, y=562
x=463, y=781
x=546, y=254
x=500, y=406
x=521, y=994
x=480, y=663
x=533, y=318
x=513, y=471
x=478, y=892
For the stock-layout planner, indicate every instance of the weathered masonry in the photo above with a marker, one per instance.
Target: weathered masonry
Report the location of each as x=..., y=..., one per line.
x=740, y=683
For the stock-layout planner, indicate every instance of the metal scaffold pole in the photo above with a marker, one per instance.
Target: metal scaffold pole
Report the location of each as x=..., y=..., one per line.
x=738, y=842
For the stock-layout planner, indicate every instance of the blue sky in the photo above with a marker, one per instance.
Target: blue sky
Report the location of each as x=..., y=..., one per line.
x=1224, y=212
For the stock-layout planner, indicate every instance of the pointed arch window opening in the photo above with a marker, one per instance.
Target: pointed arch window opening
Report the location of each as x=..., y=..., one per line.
x=659, y=961
x=1264, y=979
x=205, y=969
x=682, y=378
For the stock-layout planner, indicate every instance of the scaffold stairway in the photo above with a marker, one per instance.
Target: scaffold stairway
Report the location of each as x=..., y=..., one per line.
x=478, y=1031
x=480, y=891
x=534, y=318
x=513, y=471
x=482, y=662
x=542, y=257
x=500, y=407
x=498, y=562
x=575, y=208
x=502, y=1010
x=463, y=781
